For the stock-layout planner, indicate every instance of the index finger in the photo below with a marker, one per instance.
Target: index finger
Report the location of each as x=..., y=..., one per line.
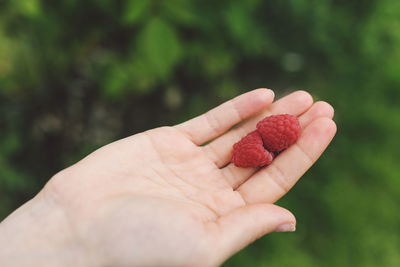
x=220, y=119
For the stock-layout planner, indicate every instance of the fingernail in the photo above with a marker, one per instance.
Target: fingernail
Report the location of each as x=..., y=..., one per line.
x=273, y=93
x=287, y=227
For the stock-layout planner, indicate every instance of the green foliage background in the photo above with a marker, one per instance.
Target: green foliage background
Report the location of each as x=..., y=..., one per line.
x=75, y=75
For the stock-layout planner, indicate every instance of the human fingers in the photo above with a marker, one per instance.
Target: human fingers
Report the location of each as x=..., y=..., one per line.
x=243, y=226
x=218, y=120
x=219, y=150
x=275, y=180
x=236, y=176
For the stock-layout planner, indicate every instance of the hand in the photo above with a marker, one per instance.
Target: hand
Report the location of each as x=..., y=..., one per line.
x=163, y=198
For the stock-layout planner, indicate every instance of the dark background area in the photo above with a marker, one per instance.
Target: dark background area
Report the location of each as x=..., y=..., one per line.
x=76, y=75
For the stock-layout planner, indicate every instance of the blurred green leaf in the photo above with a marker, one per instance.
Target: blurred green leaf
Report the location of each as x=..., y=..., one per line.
x=30, y=8
x=115, y=81
x=160, y=47
x=10, y=143
x=180, y=11
x=134, y=10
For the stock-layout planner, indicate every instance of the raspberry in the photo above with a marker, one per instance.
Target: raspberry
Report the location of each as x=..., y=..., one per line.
x=250, y=152
x=278, y=132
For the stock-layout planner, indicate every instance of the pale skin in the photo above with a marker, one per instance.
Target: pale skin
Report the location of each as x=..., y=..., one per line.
x=163, y=198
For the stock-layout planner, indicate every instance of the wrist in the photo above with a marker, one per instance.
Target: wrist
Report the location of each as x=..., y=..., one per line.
x=38, y=234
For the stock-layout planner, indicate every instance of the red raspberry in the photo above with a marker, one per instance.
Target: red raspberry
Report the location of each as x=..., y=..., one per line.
x=278, y=132
x=250, y=152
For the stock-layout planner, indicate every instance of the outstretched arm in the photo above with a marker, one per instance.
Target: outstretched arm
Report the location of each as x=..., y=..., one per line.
x=162, y=197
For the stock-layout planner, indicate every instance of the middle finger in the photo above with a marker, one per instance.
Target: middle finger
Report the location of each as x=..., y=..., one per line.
x=219, y=150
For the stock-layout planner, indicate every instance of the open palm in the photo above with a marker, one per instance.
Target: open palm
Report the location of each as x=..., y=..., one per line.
x=170, y=196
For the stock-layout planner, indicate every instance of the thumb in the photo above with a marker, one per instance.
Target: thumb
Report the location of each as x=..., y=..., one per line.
x=244, y=225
